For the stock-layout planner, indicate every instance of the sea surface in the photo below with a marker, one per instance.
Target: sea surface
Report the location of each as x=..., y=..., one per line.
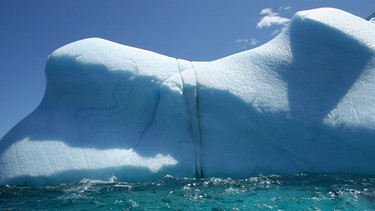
x=298, y=192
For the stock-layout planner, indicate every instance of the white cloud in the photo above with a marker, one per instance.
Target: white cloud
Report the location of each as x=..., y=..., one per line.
x=268, y=11
x=286, y=8
x=243, y=43
x=271, y=18
x=254, y=41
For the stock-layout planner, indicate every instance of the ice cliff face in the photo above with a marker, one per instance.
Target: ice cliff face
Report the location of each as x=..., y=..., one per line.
x=303, y=102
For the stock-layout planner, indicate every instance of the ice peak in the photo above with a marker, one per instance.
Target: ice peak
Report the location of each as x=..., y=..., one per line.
x=334, y=27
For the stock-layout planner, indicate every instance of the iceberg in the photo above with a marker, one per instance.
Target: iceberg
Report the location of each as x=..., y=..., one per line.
x=301, y=103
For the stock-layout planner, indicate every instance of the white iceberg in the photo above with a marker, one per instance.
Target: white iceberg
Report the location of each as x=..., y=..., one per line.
x=303, y=102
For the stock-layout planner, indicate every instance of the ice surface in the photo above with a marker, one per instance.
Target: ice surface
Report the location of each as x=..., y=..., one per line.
x=301, y=103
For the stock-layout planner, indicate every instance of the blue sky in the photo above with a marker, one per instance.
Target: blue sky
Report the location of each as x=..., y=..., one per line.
x=192, y=30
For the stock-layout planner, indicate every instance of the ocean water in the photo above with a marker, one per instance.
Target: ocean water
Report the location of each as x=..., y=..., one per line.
x=298, y=192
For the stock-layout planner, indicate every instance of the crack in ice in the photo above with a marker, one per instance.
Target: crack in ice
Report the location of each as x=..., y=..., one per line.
x=190, y=93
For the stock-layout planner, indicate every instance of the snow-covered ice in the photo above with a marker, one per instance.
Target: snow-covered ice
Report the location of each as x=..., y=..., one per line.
x=302, y=102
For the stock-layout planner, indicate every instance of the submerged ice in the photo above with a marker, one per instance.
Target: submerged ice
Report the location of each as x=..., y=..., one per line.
x=301, y=103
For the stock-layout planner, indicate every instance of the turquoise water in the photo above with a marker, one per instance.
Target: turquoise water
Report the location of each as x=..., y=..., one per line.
x=299, y=192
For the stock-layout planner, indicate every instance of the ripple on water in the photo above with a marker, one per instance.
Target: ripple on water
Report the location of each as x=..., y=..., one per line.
x=274, y=192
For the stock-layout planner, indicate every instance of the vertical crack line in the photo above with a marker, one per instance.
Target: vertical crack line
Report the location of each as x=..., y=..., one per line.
x=199, y=130
x=190, y=129
x=190, y=94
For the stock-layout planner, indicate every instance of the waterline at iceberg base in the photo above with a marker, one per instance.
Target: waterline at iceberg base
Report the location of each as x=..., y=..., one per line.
x=302, y=102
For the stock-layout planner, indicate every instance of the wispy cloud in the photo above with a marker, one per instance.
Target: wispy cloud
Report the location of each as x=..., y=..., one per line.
x=242, y=43
x=271, y=18
x=245, y=43
x=254, y=41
